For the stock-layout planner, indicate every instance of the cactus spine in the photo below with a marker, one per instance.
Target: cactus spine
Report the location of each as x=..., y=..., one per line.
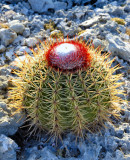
x=59, y=98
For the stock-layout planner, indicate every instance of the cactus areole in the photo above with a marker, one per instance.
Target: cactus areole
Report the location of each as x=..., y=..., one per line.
x=68, y=55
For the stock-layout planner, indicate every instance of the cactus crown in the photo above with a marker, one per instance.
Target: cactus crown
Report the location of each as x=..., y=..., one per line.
x=75, y=100
x=68, y=55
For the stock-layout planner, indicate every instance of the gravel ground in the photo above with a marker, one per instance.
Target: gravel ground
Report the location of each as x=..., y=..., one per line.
x=22, y=24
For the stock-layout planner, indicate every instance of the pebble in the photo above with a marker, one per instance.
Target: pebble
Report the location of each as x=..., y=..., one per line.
x=89, y=23
x=31, y=42
x=7, y=36
x=41, y=6
x=118, y=47
x=17, y=27
x=26, y=32
x=2, y=48
x=60, y=5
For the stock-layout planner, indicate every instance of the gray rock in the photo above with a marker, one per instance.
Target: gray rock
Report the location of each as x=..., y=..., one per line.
x=9, y=14
x=100, y=3
x=20, y=50
x=118, y=47
x=72, y=31
x=19, y=17
x=60, y=5
x=2, y=48
x=9, y=124
x=88, y=34
x=17, y=27
x=127, y=8
x=122, y=29
x=90, y=22
x=45, y=154
x=26, y=32
x=19, y=40
x=119, y=155
x=79, y=15
x=3, y=83
x=97, y=42
x=13, y=1
x=5, y=71
x=116, y=11
x=31, y=42
x=60, y=13
x=42, y=5
x=6, y=7
x=9, y=55
x=7, y=36
x=7, y=148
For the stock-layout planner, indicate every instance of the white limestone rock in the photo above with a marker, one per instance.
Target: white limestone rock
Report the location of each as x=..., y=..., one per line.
x=2, y=48
x=7, y=148
x=118, y=47
x=31, y=42
x=7, y=36
x=42, y=5
x=17, y=27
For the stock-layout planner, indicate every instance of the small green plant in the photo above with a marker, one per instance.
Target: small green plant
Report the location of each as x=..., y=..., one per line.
x=3, y=25
x=119, y=20
x=57, y=34
x=128, y=31
x=50, y=25
x=68, y=87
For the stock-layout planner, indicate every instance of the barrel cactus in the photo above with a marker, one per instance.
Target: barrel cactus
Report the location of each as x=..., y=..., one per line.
x=66, y=85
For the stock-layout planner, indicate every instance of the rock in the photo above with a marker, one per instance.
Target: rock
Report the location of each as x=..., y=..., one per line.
x=69, y=3
x=100, y=3
x=17, y=27
x=127, y=8
x=60, y=5
x=5, y=71
x=6, y=7
x=122, y=29
x=7, y=148
x=2, y=48
x=3, y=106
x=118, y=47
x=9, y=55
x=19, y=40
x=89, y=23
x=13, y=1
x=9, y=124
x=88, y=34
x=119, y=155
x=97, y=42
x=116, y=11
x=45, y=154
x=3, y=83
x=19, y=17
x=24, y=11
x=79, y=15
x=60, y=13
x=41, y=6
x=9, y=14
x=22, y=49
x=26, y=32
x=31, y=42
x=104, y=17
x=7, y=36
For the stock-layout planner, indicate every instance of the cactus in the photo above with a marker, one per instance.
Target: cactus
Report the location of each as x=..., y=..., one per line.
x=68, y=87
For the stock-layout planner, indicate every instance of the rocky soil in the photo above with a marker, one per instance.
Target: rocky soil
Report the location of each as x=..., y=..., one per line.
x=23, y=23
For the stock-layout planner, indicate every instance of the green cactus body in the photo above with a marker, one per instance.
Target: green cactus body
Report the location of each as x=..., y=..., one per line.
x=58, y=101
